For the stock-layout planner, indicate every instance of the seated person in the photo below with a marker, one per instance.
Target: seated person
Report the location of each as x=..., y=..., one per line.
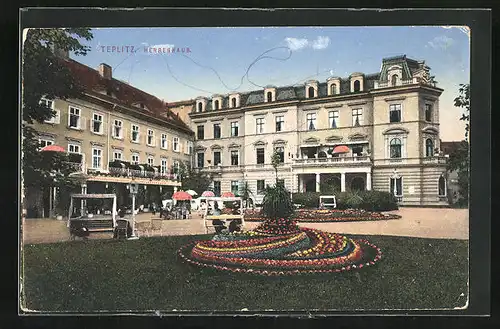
x=218, y=225
x=216, y=209
x=235, y=226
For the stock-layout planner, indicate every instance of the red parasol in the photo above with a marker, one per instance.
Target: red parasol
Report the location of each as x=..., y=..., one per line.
x=227, y=195
x=341, y=149
x=208, y=193
x=53, y=148
x=181, y=196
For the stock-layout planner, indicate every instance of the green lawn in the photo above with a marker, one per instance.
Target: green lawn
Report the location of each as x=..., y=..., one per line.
x=145, y=275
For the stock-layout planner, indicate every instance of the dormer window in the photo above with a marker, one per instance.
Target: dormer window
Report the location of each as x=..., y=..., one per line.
x=394, y=80
x=269, y=96
x=201, y=104
x=233, y=102
x=200, y=107
x=357, y=86
x=333, y=89
x=310, y=92
x=216, y=104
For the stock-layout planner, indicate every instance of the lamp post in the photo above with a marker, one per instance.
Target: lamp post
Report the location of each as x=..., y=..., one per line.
x=133, y=187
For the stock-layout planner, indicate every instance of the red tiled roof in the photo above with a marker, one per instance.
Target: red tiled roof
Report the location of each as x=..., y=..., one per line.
x=124, y=94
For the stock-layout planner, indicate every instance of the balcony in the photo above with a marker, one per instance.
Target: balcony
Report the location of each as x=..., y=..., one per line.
x=387, y=84
x=347, y=160
x=435, y=160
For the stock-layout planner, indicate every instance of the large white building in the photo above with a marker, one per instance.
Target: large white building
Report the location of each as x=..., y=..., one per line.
x=366, y=131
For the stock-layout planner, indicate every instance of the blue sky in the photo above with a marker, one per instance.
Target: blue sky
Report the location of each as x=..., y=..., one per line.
x=220, y=57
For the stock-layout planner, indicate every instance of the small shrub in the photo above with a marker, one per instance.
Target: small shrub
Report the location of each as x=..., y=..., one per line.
x=277, y=203
x=307, y=199
x=367, y=200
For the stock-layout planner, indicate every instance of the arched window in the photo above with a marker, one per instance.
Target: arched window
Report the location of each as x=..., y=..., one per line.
x=216, y=105
x=333, y=89
x=395, y=148
x=233, y=102
x=394, y=80
x=429, y=147
x=310, y=91
x=357, y=85
x=269, y=96
x=200, y=107
x=442, y=186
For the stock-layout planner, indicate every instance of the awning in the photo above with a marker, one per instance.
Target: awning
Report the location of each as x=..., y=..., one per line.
x=53, y=148
x=341, y=149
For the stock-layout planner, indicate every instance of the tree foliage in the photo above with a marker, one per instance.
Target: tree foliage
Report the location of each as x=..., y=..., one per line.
x=277, y=203
x=276, y=161
x=44, y=75
x=463, y=101
x=192, y=179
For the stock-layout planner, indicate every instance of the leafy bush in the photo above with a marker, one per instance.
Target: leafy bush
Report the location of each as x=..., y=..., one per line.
x=349, y=200
x=307, y=199
x=367, y=200
x=277, y=203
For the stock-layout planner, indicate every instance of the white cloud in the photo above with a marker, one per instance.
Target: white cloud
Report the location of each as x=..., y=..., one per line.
x=321, y=43
x=441, y=42
x=297, y=44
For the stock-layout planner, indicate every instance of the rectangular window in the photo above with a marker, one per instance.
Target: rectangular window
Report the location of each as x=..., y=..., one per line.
x=311, y=121
x=280, y=150
x=259, y=122
x=117, y=155
x=135, y=134
x=151, y=137
x=261, y=185
x=74, y=148
x=217, y=133
x=96, y=158
x=217, y=189
x=200, y=132
x=190, y=147
x=357, y=150
x=97, y=125
x=175, y=144
x=260, y=156
x=333, y=117
x=397, y=186
x=164, y=166
x=45, y=142
x=234, y=129
x=280, y=123
x=395, y=113
x=200, y=160
x=50, y=104
x=151, y=161
x=428, y=112
x=74, y=120
x=118, y=129
x=217, y=159
x=163, y=141
x=281, y=182
x=135, y=159
x=47, y=103
x=234, y=158
x=235, y=187
x=357, y=117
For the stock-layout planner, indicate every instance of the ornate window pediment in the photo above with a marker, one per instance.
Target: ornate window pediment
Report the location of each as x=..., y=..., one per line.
x=234, y=145
x=392, y=131
x=260, y=143
x=280, y=141
x=200, y=148
x=333, y=138
x=216, y=147
x=311, y=140
x=357, y=136
x=430, y=130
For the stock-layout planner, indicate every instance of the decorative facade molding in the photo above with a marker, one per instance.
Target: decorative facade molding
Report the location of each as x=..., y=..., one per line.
x=392, y=131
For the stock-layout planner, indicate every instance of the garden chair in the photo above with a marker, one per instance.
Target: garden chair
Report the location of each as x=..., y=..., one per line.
x=121, y=229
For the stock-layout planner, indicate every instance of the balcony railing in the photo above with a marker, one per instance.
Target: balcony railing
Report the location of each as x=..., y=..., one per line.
x=126, y=172
x=389, y=84
x=333, y=160
x=435, y=159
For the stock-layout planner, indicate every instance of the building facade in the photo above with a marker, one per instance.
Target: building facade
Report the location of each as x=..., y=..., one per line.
x=367, y=131
x=120, y=135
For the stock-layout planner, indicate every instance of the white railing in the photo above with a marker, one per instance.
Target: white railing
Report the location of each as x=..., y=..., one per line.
x=435, y=159
x=389, y=84
x=139, y=173
x=333, y=160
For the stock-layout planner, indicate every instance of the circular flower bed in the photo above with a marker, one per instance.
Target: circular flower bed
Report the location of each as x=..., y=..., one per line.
x=327, y=215
x=281, y=248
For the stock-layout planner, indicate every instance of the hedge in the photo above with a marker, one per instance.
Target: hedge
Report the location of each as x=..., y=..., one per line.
x=366, y=200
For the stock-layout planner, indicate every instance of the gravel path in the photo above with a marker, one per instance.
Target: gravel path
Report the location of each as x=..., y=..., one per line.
x=440, y=223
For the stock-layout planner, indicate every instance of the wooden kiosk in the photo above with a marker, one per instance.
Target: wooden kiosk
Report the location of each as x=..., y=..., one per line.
x=95, y=223
x=209, y=216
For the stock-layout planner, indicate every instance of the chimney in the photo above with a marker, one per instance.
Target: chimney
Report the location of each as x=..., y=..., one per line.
x=105, y=71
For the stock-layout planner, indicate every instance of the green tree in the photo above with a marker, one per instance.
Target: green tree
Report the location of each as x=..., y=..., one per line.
x=459, y=159
x=44, y=75
x=192, y=179
x=276, y=162
x=246, y=192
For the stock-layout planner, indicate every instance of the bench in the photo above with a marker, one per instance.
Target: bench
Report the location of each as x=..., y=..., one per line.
x=223, y=218
x=91, y=225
